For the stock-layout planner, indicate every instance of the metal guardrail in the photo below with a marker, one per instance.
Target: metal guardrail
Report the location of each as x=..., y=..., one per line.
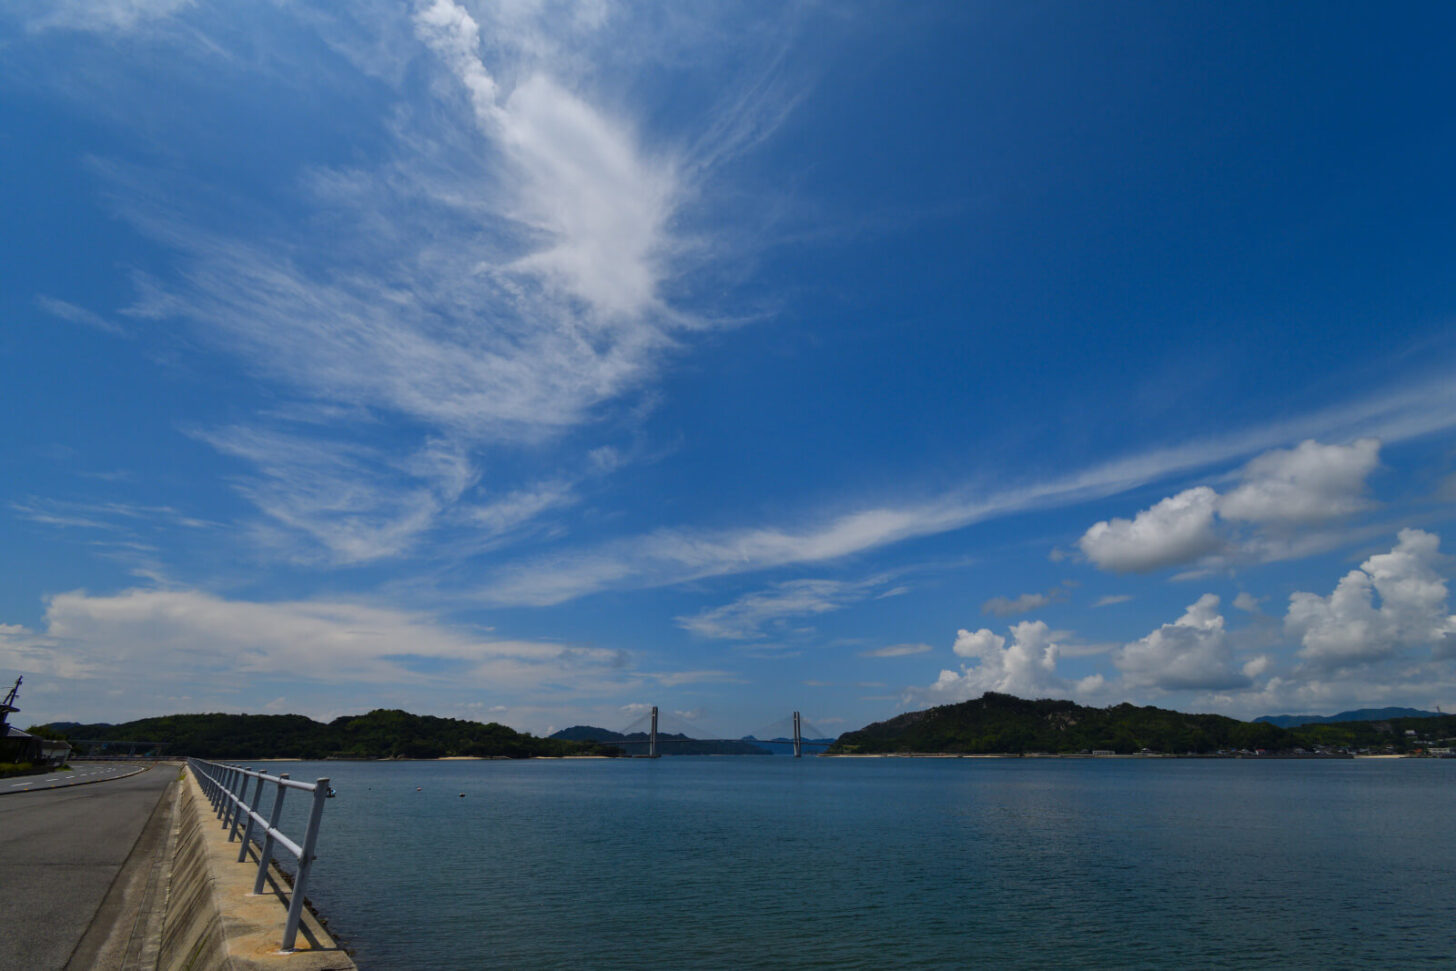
x=226, y=786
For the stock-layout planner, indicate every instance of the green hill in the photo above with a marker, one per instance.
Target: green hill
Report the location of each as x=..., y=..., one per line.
x=997, y=723
x=1002, y=724
x=381, y=734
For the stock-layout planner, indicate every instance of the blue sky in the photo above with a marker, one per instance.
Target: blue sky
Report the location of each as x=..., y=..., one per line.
x=541, y=361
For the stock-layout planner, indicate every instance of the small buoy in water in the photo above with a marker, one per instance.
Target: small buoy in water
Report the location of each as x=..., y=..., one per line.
x=462, y=795
x=419, y=788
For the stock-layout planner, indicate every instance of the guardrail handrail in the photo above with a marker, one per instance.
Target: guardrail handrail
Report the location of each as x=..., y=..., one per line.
x=226, y=786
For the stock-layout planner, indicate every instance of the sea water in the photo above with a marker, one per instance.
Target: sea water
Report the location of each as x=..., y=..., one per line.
x=766, y=862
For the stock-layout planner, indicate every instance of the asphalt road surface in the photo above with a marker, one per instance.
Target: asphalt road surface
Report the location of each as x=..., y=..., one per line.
x=60, y=850
x=80, y=774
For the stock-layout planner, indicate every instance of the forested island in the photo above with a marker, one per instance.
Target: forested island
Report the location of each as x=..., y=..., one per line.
x=1003, y=724
x=381, y=734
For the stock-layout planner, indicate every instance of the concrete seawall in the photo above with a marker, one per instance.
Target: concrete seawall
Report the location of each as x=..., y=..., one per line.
x=212, y=918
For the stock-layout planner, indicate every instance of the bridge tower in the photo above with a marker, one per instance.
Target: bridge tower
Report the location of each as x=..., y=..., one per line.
x=652, y=738
x=798, y=738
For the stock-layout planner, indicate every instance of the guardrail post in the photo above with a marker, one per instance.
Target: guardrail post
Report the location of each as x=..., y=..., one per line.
x=265, y=855
x=221, y=801
x=252, y=809
x=224, y=783
x=234, y=776
x=240, y=804
x=305, y=863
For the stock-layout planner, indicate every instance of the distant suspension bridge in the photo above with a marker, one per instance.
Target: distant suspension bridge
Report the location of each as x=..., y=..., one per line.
x=643, y=739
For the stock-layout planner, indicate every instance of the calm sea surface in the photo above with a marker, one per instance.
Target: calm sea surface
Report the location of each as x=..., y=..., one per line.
x=758, y=862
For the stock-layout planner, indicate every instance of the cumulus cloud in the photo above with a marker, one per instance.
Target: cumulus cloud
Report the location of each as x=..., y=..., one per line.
x=1025, y=665
x=1177, y=530
x=1278, y=492
x=1192, y=653
x=1395, y=602
x=1307, y=484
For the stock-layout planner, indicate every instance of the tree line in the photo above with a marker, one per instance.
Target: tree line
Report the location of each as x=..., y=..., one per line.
x=380, y=734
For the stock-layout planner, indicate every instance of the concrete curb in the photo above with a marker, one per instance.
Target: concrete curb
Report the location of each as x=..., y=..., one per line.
x=124, y=933
x=214, y=921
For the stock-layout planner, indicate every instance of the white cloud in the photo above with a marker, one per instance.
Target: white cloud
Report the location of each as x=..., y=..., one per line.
x=77, y=315
x=1178, y=528
x=155, y=639
x=1349, y=628
x=358, y=503
x=673, y=679
x=1025, y=603
x=751, y=616
x=1307, y=484
x=1025, y=667
x=580, y=180
x=1247, y=602
x=1175, y=530
x=1279, y=491
x=102, y=16
x=1192, y=653
x=1112, y=598
x=897, y=650
x=496, y=281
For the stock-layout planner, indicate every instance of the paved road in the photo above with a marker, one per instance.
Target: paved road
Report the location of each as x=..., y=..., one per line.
x=60, y=849
x=80, y=774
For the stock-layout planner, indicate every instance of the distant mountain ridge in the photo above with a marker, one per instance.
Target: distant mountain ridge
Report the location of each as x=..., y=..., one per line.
x=1358, y=715
x=670, y=743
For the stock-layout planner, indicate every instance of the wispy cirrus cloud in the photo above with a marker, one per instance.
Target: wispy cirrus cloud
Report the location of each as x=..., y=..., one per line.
x=764, y=612
x=67, y=311
x=357, y=502
x=498, y=280
x=668, y=556
x=95, y=15
x=897, y=650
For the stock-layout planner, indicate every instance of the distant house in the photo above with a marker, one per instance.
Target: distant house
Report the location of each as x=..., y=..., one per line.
x=18, y=746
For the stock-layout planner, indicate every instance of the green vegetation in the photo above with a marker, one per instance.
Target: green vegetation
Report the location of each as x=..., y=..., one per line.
x=8, y=769
x=997, y=723
x=50, y=732
x=1399, y=735
x=381, y=734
